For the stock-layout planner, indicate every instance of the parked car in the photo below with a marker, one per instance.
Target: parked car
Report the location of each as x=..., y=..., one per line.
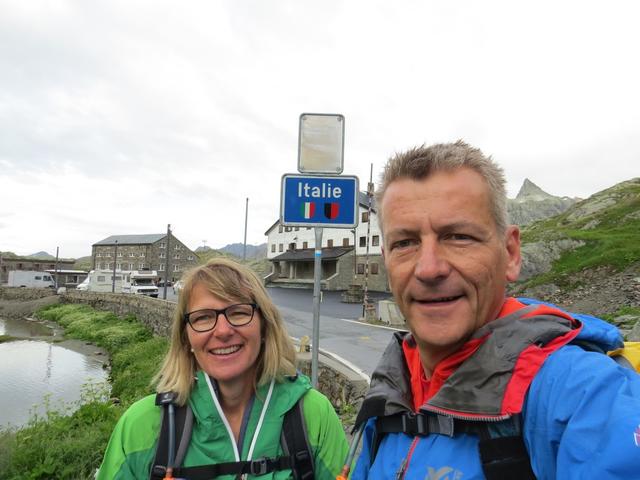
x=177, y=287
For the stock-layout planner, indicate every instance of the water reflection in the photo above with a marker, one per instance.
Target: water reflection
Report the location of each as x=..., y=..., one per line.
x=31, y=370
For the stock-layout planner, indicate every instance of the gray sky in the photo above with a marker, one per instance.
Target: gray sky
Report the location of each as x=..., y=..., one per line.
x=118, y=117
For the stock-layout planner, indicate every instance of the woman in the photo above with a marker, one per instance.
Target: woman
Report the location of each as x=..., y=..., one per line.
x=232, y=362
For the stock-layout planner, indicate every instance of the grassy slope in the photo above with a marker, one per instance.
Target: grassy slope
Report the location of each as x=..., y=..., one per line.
x=613, y=242
x=71, y=447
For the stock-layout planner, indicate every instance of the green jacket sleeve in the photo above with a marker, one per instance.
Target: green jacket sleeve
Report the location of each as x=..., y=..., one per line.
x=326, y=435
x=132, y=444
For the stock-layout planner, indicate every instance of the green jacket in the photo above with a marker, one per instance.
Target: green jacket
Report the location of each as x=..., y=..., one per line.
x=132, y=446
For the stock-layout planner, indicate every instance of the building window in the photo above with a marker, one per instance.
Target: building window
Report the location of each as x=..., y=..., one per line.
x=162, y=245
x=360, y=269
x=374, y=268
x=161, y=269
x=273, y=248
x=305, y=244
x=101, y=278
x=292, y=246
x=365, y=217
x=118, y=266
x=98, y=255
x=280, y=247
x=132, y=255
x=330, y=243
x=163, y=255
x=375, y=240
x=141, y=266
x=176, y=268
x=177, y=247
x=142, y=255
x=345, y=242
x=108, y=254
x=363, y=241
x=176, y=256
x=119, y=254
x=190, y=257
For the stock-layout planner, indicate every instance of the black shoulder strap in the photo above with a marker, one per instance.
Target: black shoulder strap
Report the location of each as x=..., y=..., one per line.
x=183, y=426
x=501, y=446
x=299, y=457
x=295, y=442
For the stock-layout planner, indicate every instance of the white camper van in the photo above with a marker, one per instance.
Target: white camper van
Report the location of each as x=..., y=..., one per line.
x=140, y=282
x=101, y=281
x=22, y=278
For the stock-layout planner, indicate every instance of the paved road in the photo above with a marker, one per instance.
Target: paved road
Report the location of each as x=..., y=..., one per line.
x=358, y=343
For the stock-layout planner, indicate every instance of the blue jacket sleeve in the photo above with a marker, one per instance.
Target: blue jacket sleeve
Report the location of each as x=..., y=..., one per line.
x=582, y=418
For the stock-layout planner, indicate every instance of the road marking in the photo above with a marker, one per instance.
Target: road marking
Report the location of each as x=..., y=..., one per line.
x=339, y=359
x=357, y=322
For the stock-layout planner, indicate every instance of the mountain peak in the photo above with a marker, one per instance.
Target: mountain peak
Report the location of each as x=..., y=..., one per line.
x=530, y=191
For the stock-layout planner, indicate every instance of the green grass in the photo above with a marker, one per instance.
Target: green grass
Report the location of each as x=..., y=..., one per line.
x=612, y=241
x=62, y=446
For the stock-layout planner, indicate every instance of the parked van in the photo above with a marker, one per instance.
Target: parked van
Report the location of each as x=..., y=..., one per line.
x=140, y=282
x=101, y=281
x=22, y=278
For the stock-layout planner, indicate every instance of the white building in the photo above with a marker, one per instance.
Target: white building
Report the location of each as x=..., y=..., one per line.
x=344, y=253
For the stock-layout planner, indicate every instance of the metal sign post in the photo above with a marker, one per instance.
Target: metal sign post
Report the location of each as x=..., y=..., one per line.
x=320, y=197
x=317, y=277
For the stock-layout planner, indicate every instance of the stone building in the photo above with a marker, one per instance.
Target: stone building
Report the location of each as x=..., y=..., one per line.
x=8, y=264
x=344, y=254
x=144, y=252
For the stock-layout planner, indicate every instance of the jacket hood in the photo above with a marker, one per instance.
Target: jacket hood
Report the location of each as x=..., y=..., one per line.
x=594, y=330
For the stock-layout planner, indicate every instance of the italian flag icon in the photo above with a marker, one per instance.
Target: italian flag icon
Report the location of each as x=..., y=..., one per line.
x=308, y=209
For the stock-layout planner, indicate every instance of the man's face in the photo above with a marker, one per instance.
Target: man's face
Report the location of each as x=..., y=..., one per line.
x=447, y=263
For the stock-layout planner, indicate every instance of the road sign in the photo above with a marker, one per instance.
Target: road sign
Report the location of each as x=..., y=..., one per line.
x=319, y=201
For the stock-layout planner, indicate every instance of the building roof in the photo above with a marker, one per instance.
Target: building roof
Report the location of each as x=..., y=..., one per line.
x=132, y=239
x=308, y=254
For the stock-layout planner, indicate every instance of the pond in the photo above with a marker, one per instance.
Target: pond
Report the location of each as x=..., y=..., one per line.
x=38, y=367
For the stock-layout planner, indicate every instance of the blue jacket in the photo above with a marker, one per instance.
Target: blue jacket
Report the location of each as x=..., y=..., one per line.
x=581, y=419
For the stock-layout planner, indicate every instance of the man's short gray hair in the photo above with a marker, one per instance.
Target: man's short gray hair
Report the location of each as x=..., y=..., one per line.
x=420, y=162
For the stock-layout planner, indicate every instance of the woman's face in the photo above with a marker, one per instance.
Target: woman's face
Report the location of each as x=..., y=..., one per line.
x=226, y=353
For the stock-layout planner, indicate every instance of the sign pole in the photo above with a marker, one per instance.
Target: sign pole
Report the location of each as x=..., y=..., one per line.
x=317, y=276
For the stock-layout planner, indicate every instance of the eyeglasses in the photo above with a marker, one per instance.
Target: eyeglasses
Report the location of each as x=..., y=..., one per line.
x=206, y=319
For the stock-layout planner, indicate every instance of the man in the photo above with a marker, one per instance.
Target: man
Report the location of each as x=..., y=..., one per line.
x=484, y=386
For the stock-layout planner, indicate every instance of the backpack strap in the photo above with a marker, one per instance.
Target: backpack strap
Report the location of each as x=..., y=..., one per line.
x=502, y=450
x=295, y=442
x=182, y=426
x=298, y=454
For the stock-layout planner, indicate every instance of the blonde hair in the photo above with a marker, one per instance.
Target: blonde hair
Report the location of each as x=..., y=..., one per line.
x=420, y=162
x=229, y=281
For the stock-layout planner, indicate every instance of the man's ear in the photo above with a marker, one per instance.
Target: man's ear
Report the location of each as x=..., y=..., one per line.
x=514, y=258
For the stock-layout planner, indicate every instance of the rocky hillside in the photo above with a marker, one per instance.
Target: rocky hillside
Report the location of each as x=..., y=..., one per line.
x=532, y=203
x=588, y=257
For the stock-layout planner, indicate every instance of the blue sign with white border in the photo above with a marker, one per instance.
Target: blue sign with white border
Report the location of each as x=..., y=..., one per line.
x=319, y=201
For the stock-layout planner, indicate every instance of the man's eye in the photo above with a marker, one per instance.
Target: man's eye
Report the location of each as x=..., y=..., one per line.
x=400, y=244
x=461, y=237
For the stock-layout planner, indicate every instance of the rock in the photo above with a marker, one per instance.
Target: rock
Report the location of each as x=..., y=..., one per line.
x=538, y=257
x=634, y=334
x=626, y=319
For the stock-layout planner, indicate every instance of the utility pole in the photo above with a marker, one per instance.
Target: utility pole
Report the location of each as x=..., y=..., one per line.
x=365, y=299
x=56, y=269
x=166, y=262
x=115, y=259
x=0, y=267
x=246, y=216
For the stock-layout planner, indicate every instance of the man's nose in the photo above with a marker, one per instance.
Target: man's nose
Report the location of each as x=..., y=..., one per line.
x=431, y=263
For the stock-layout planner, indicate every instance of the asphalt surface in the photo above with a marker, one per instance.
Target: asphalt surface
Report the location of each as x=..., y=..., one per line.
x=357, y=343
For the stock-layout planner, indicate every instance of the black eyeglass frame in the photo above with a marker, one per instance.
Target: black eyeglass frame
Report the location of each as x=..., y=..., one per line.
x=217, y=311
